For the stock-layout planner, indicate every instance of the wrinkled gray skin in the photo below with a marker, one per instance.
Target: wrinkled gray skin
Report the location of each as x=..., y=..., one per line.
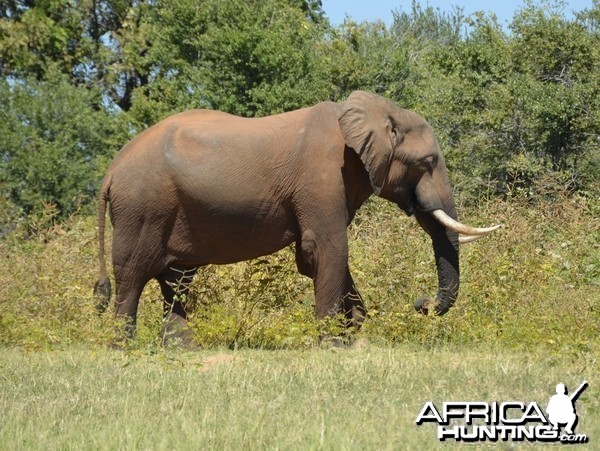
x=206, y=187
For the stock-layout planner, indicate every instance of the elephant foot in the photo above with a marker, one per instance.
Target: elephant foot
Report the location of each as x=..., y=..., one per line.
x=334, y=343
x=344, y=342
x=176, y=333
x=123, y=333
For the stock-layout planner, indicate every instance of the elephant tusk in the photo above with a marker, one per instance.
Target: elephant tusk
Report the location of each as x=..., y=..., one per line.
x=464, y=239
x=457, y=227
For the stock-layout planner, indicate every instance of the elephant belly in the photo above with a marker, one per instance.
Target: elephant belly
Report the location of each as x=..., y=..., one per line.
x=221, y=237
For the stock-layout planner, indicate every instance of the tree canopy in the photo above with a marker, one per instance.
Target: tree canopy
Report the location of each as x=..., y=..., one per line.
x=511, y=106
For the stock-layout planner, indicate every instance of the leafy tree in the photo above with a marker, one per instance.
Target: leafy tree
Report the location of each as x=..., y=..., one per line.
x=55, y=144
x=248, y=58
x=558, y=63
x=361, y=56
x=36, y=34
x=512, y=109
x=99, y=43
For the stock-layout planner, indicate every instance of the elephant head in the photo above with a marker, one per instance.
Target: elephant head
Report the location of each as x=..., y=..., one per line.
x=405, y=166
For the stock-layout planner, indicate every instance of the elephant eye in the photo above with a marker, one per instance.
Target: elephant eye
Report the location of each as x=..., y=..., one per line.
x=427, y=163
x=394, y=136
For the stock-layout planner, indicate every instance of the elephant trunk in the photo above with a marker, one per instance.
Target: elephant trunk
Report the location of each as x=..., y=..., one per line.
x=435, y=195
x=445, y=248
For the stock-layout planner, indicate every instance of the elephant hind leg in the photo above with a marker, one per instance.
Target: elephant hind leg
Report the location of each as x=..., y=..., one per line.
x=174, y=285
x=128, y=292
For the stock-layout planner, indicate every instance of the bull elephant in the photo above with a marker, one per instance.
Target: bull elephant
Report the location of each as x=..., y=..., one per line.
x=205, y=187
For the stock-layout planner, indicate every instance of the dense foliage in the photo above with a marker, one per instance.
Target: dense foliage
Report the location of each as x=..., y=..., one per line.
x=535, y=283
x=79, y=77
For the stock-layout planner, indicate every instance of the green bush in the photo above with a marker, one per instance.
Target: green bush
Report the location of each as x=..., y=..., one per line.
x=535, y=282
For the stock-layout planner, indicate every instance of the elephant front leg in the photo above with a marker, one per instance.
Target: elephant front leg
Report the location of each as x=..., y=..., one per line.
x=353, y=305
x=326, y=262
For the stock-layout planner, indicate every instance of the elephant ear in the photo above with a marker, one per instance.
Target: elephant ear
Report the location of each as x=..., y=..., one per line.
x=365, y=125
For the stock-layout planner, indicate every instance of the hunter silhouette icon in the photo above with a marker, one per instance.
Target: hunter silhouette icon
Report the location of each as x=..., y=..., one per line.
x=561, y=407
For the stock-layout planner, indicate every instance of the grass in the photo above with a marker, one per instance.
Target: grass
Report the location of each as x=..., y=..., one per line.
x=364, y=398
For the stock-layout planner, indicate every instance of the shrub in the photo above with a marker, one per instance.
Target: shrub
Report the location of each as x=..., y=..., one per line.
x=535, y=282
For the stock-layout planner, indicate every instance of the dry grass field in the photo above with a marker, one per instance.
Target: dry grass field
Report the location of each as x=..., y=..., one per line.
x=364, y=398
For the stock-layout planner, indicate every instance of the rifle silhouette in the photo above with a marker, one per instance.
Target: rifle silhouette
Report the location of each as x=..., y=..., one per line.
x=577, y=392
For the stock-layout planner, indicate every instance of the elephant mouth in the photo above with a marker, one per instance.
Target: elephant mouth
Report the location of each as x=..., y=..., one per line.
x=408, y=205
x=409, y=209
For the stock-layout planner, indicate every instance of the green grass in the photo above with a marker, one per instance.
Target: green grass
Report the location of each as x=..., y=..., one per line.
x=363, y=398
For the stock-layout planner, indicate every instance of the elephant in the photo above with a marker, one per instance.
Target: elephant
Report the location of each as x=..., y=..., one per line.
x=205, y=187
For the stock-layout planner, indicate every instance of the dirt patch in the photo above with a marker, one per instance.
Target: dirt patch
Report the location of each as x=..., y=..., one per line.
x=213, y=361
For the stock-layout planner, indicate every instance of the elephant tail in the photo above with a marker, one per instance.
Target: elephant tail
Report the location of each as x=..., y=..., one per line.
x=102, y=289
